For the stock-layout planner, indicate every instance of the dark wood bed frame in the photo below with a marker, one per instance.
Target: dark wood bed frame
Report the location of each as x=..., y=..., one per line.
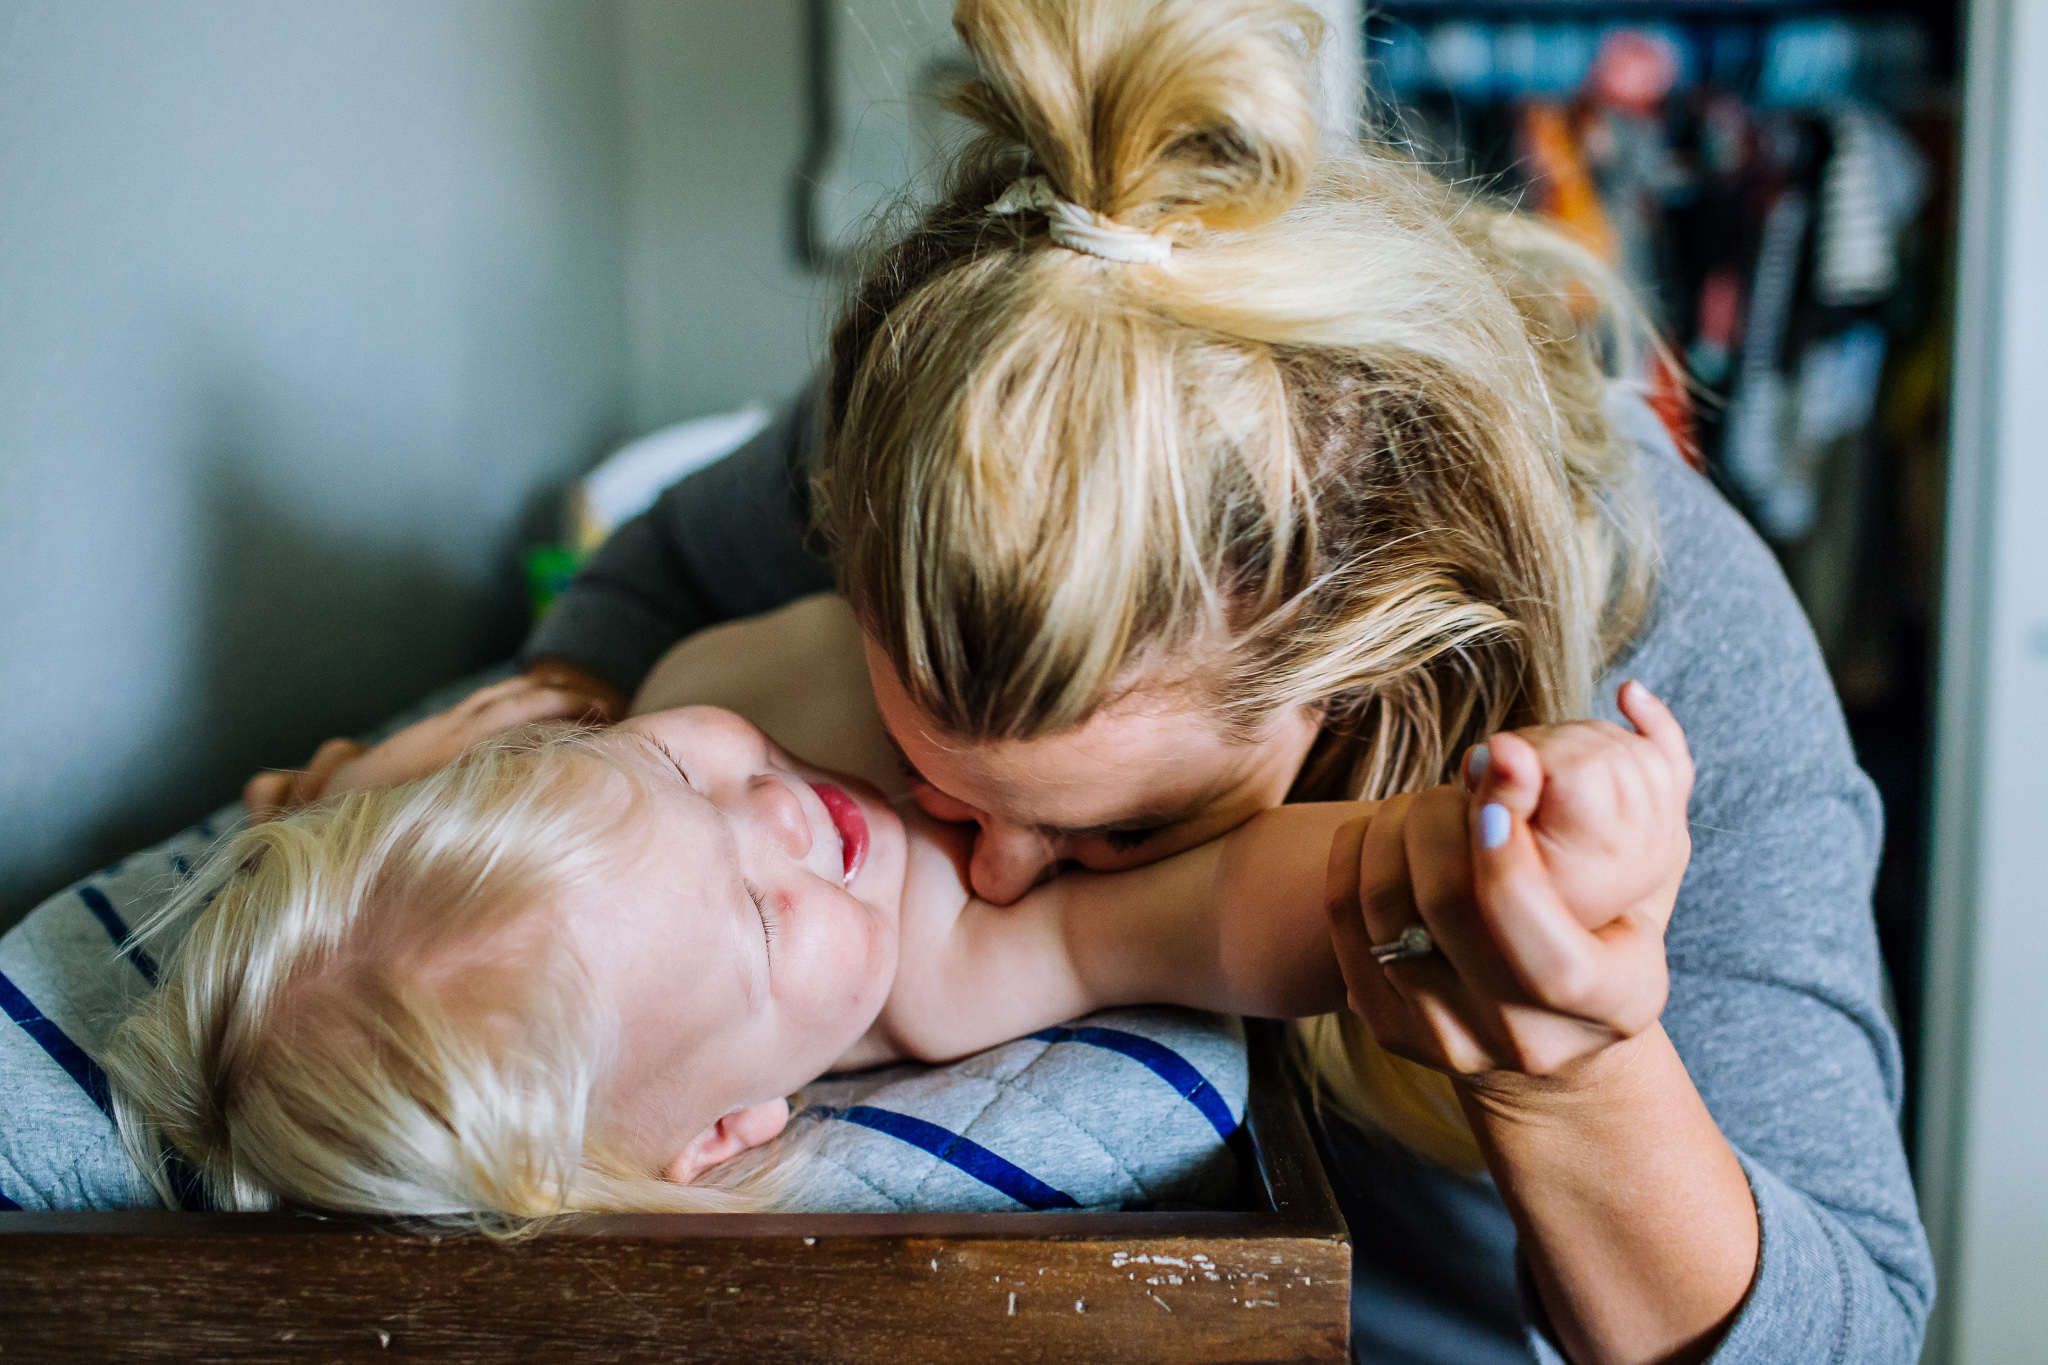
x=1269, y=1283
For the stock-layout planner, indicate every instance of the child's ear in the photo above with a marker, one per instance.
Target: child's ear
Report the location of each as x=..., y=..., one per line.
x=731, y=1135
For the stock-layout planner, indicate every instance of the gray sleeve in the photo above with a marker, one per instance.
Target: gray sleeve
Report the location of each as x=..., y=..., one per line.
x=727, y=541
x=1776, y=1002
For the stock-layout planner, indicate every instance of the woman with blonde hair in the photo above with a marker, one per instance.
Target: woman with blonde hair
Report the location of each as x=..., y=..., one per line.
x=1177, y=465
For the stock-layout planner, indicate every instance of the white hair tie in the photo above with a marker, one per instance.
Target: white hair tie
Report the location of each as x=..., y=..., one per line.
x=1079, y=229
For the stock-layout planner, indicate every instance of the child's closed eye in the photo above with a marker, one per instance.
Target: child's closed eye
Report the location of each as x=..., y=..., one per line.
x=769, y=923
x=1128, y=840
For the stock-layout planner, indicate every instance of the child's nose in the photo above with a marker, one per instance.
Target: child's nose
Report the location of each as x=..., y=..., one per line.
x=781, y=813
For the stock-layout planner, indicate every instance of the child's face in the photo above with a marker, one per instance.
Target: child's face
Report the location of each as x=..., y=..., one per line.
x=753, y=939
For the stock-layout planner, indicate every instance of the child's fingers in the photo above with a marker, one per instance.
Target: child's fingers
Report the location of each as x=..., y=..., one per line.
x=534, y=704
x=262, y=795
x=1654, y=721
x=332, y=755
x=607, y=702
x=484, y=696
x=522, y=702
x=304, y=787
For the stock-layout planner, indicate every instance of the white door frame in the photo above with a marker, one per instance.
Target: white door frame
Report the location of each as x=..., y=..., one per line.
x=1983, y=1141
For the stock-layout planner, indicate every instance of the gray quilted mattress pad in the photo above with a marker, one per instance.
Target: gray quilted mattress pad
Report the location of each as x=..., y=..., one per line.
x=1126, y=1109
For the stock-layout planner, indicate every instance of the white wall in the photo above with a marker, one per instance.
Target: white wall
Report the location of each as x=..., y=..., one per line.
x=721, y=309
x=1984, y=1180
x=299, y=306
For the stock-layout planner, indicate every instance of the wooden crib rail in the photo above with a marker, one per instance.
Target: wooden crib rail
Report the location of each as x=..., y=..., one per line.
x=1271, y=1283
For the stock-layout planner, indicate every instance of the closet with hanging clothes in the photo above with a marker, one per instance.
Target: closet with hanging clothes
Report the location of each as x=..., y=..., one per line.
x=1777, y=180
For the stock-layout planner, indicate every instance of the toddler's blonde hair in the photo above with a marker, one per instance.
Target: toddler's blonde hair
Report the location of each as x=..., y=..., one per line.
x=375, y=1007
x=1344, y=448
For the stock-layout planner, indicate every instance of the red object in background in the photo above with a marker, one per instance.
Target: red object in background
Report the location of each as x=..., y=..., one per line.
x=1671, y=400
x=1720, y=309
x=1633, y=72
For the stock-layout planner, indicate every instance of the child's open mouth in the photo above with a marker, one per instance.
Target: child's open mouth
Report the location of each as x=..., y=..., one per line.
x=851, y=824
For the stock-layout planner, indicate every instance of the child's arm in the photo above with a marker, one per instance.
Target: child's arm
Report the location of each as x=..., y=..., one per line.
x=1240, y=924
x=1236, y=925
x=426, y=746
x=798, y=673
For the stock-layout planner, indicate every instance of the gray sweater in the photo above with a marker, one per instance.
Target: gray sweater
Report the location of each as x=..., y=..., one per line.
x=1775, y=996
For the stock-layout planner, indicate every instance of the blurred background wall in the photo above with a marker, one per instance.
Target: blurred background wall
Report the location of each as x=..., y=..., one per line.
x=305, y=311
x=721, y=309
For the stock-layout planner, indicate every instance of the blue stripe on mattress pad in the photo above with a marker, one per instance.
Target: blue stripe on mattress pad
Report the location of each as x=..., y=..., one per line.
x=103, y=911
x=1162, y=1061
x=93, y=1081
x=51, y=1039
x=960, y=1152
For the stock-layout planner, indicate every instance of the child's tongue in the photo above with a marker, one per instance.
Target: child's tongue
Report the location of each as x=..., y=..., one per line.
x=851, y=824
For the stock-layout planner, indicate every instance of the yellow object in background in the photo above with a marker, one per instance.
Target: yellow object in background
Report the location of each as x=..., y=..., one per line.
x=1559, y=179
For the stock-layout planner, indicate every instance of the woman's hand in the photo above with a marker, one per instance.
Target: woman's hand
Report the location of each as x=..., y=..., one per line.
x=1546, y=891
x=421, y=748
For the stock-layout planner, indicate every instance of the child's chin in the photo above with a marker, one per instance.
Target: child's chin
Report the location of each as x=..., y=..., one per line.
x=880, y=878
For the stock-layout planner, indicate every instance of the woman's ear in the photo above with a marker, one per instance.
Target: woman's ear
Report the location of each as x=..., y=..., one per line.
x=731, y=1135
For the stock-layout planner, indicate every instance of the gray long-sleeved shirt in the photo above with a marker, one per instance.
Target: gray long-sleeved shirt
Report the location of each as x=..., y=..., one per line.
x=1775, y=998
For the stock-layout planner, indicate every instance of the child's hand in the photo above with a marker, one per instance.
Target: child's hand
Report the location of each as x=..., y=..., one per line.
x=1604, y=808
x=1546, y=892
x=282, y=791
x=421, y=748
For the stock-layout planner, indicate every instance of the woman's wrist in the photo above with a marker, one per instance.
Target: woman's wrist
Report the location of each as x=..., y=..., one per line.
x=1600, y=1085
x=1635, y=1216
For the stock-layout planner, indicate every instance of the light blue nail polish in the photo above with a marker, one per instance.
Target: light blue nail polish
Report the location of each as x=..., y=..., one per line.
x=1476, y=764
x=1494, y=825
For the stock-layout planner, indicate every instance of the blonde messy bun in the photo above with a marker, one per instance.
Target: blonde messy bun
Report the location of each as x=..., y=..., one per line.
x=1151, y=115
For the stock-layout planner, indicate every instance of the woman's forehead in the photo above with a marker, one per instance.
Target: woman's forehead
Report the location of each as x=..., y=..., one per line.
x=1127, y=764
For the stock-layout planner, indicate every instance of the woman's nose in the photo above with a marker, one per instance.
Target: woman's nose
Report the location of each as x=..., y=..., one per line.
x=781, y=813
x=1008, y=860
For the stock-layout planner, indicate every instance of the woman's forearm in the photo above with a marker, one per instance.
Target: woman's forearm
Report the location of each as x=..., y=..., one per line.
x=1634, y=1214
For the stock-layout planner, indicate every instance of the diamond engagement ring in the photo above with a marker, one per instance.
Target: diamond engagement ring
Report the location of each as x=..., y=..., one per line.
x=1414, y=942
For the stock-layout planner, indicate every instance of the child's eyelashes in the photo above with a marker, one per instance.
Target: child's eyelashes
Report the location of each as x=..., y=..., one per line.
x=677, y=763
x=1128, y=840
x=769, y=924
